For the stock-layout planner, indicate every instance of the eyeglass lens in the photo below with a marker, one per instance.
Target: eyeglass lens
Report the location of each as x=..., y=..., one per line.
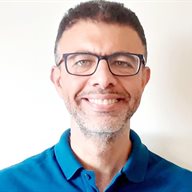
x=86, y=64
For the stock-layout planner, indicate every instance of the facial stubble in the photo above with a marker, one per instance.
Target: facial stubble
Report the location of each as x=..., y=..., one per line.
x=109, y=127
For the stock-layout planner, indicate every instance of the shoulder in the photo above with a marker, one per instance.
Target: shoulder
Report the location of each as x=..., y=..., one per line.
x=21, y=173
x=157, y=170
x=169, y=172
x=42, y=172
x=35, y=160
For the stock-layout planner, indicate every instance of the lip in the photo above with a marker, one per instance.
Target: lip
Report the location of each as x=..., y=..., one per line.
x=103, y=96
x=103, y=102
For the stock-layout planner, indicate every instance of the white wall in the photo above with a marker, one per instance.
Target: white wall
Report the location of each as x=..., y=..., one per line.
x=32, y=116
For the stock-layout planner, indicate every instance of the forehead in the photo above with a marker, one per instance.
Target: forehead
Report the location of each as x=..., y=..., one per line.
x=100, y=38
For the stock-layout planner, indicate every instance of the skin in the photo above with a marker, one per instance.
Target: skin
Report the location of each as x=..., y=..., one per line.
x=97, y=129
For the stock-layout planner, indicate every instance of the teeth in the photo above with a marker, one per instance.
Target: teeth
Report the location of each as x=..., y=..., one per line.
x=103, y=101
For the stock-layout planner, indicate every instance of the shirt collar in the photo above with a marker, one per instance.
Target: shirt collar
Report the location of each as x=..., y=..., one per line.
x=134, y=169
x=136, y=166
x=65, y=156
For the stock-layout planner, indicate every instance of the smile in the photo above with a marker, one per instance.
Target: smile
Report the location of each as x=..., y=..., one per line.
x=103, y=101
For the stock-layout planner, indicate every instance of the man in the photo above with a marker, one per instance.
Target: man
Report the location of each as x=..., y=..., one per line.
x=100, y=74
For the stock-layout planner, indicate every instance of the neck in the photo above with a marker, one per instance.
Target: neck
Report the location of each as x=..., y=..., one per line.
x=104, y=158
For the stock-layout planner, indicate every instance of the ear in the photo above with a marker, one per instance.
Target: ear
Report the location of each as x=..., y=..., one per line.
x=146, y=76
x=55, y=77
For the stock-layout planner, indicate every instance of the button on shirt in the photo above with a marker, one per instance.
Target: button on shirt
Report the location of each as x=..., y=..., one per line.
x=57, y=170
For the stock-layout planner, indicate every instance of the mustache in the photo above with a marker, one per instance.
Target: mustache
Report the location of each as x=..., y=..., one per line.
x=103, y=92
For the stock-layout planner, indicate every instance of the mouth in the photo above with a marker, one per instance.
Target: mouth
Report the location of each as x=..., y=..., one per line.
x=103, y=101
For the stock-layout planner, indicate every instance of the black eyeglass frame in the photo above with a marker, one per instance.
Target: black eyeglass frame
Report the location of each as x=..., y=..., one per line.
x=100, y=57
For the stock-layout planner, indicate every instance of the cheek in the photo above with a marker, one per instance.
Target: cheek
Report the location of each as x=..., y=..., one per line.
x=133, y=85
x=71, y=87
x=136, y=92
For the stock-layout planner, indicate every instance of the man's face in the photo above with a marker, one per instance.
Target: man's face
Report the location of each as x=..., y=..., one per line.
x=101, y=103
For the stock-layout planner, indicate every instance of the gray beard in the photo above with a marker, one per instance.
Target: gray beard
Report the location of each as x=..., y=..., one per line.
x=99, y=132
x=103, y=136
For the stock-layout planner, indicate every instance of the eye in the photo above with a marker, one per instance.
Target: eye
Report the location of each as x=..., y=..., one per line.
x=82, y=63
x=123, y=64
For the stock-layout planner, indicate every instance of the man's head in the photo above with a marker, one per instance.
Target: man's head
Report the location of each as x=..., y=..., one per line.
x=100, y=94
x=101, y=11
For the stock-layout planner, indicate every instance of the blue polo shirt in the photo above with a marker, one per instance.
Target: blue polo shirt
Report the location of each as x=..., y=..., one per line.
x=57, y=170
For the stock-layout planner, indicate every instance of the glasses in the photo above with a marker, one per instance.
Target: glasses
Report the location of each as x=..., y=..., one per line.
x=119, y=64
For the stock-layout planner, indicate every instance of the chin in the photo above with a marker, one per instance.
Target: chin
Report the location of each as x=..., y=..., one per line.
x=106, y=133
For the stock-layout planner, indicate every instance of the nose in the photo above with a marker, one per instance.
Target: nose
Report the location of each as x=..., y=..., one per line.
x=103, y=78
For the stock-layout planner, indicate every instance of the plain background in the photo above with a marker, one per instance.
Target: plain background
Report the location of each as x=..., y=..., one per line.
x=32, y=116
